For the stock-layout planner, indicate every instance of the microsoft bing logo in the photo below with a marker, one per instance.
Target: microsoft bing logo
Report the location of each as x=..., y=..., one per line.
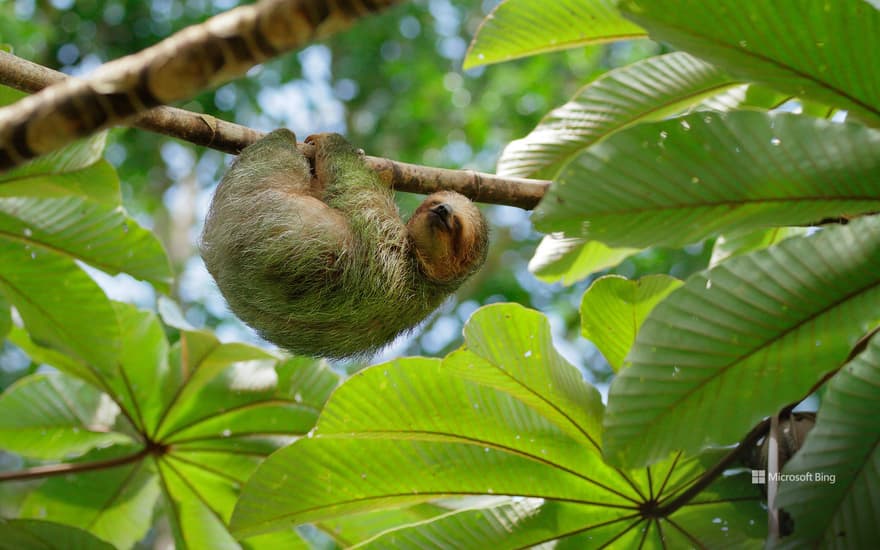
x=759, y=477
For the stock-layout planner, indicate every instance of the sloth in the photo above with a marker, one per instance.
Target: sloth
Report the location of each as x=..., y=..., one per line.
x=319, y=262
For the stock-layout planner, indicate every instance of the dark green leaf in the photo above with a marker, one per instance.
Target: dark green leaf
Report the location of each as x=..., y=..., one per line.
x=682, y=180
x=34, y=534
x=834, y=502
x=743, y=339
x=815, y=49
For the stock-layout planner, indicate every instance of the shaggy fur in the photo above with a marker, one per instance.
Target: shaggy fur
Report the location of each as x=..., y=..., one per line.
x=322, y=264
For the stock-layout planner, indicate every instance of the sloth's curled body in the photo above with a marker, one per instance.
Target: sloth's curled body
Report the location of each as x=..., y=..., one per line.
x=321, y=263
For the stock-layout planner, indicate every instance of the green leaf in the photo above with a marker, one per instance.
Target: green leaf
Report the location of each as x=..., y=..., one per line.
x=743, y=243
x=682, y=180
x=81, y=228
x=348, y=531
x=62, y=361
x=508, y=417
x=143, y=363
x=115, y=503
x=53, y=296
x=813, y=49
x=504, y=416
x=229, y=376
x=779, y=318
x=520, y=28
x=34, y=534
x=200, y=501
x=53, y=416
x=647, y=90
x=5, y=317
x=836, y=501
x=569, y=260
x=613, y=309
x=71, y=158
x=97, y=182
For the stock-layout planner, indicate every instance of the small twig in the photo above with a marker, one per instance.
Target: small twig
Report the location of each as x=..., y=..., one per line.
x=228, y=137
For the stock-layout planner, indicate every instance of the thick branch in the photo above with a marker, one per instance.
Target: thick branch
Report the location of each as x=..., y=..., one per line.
x=196, y=58
x=208, y=131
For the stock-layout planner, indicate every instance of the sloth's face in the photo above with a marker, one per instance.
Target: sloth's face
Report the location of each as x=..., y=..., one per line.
x=450, y=236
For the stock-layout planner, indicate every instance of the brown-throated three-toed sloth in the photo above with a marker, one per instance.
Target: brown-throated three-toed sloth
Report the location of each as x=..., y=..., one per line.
x=321, y=264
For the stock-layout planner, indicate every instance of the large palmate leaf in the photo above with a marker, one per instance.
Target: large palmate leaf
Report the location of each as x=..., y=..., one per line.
x=507, y=416
x=681, y=180
x=210, y=412
x=743, y=339
x=518, y=28
x=647, y=90
x=835, y=501
x=817, y=49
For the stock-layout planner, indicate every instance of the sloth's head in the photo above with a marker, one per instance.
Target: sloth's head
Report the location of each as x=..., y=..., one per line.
x=450, y=235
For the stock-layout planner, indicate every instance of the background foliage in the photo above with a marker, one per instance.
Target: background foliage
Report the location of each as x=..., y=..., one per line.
x=724, y=172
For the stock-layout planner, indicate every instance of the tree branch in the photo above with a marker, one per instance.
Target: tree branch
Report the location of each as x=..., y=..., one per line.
x=198, y=57
x=228, y=137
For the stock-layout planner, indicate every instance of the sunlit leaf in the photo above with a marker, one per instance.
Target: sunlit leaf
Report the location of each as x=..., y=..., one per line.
x=76, y=226
x=742, y=243
x=569, y=260
x=53, y=312
x=647, y=90
x=836, y=501
x=519, y=28
x=682, y=180
x=613, y=309
x=505, y=416
x=53, y=416
x=814, y=49
x=740, y=341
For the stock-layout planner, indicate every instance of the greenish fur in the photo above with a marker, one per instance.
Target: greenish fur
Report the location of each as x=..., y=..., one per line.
x=334, y=283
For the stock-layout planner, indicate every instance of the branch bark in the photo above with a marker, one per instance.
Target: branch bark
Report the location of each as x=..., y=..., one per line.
x=198, y=57
x=208, y=131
